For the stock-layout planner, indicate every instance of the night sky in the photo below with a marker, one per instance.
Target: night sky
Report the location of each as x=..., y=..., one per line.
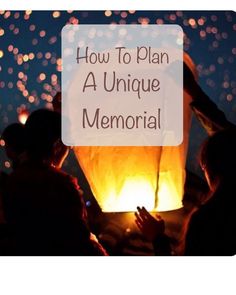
x=30, y=60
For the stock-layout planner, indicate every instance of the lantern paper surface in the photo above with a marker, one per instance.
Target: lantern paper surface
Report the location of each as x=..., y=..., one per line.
x=122, y=178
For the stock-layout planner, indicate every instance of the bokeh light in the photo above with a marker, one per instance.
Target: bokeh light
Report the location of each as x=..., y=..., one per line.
x=31, y=64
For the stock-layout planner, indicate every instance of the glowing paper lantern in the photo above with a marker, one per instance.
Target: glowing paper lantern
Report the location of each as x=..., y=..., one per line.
x=23, y=116
x=123, y=178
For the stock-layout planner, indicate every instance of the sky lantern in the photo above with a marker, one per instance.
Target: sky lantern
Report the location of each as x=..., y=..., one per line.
x=122, y=178
x=23, y=116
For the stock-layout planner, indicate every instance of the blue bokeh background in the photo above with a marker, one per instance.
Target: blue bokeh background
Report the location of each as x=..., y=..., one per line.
x=30, y=52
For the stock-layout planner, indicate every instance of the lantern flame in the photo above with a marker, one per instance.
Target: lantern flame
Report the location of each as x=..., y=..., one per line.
x=138, y=192
x=134, y=191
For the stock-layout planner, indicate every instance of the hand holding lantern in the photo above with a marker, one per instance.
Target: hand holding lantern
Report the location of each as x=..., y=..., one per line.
x=150, y=227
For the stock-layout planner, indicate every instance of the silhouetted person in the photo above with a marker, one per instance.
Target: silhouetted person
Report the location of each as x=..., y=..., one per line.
x=14, y=144
x=211, y=229
x=46, y=205
x=94, y=211
x=14, y=138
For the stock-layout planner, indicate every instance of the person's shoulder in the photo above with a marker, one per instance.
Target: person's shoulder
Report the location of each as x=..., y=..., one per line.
x=40, y=173
x=64, y=177
x=207, y=213
x=199, y=215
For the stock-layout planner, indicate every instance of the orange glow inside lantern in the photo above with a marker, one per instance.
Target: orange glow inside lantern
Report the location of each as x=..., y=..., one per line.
x=122, y=178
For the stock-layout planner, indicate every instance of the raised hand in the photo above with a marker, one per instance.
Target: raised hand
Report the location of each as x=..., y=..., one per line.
x=150, y=227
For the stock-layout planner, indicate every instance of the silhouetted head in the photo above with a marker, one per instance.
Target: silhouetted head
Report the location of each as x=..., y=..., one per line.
x=14, y=137
x=218, y=157
x=43, y=131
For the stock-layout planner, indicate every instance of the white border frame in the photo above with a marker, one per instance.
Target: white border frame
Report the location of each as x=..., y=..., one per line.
x=117, y=275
